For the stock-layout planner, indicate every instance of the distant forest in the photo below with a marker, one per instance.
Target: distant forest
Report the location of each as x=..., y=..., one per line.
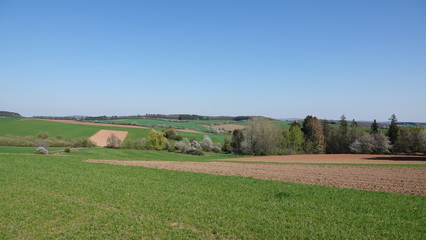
x=10, y=114
x=153, y=116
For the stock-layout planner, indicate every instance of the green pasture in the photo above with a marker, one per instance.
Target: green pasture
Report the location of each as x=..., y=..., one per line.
x=60, y=196
x=30, y=127
x=199, y=125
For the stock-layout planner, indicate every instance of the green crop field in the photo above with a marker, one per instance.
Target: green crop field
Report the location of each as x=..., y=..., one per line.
x=20, y=127
x=199, y=125
x=60, y=196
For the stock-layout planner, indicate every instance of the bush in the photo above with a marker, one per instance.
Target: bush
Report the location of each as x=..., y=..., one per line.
x=157, y=139
x=67, y=150
x=227, y=144
x=188, y=147
x=376, y=143
x=42, y=150
x=42, y=135
x=113, y=142
x=42, y=143
x=207, y=144
x=171, y=134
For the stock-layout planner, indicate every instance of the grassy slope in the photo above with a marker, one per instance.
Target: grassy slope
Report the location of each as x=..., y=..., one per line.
x=189, y=124
x=61, y=197
x=20, y=127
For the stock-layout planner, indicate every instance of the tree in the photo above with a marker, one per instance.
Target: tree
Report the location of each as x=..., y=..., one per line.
x=343, y=138
x=329, y=137
x=393, y=131
x=262, y=137
x=354, y=124
x=314, y=136
x=157, y=139
x=369, y=143
x=374, y=127
x=354, y=132
x=227, y=144
x=171, y=134
x=236, y=141
x=410, y=140
x=113, y=141
x=295, y=138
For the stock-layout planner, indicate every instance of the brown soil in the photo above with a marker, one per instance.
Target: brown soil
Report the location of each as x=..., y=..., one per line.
x=107, y=125
x=100, y=138
x=406, y=180
x=229, y=127
x=338, y=158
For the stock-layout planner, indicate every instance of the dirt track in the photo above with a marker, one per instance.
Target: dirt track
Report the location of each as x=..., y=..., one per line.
x=337, y=158
x=107, y=125
x=100, y=138
x=407, y=180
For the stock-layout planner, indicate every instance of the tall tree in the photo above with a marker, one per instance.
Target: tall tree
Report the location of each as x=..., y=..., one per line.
x=343, y=136
x=236, y=140
x=329, y=137
x=295, y=138
x=393, y=131
x=314, y=136
x=354, y=133
x=374, y=127
x=354, y=123
x=263, y=137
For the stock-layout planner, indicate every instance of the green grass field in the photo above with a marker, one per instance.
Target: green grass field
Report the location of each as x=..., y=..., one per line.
x=199, y=125
x=60, y=196
x=18, y=127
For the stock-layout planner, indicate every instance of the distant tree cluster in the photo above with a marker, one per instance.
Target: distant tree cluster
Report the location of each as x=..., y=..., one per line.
x=264, y=138
x=10, y=114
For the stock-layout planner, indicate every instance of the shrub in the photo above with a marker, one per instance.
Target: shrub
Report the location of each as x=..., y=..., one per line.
x=368, y=143
x=188, y=147
x=42, y=150
x=227, y=144
x=42, y=143
x=207, y=144
x=171, y=134
x=42, y=135
x=157, y=139
x=113, y=141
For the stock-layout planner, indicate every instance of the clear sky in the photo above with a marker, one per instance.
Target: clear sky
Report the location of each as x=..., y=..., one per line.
x=365, y=59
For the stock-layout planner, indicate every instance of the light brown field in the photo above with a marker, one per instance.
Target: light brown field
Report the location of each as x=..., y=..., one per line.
x=100, y=138
x=406, y=180
x=107, y=124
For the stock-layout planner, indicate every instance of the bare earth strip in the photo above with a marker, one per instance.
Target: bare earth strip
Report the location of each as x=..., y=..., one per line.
x=337, y=158
x=107, y=125
x=406, y=180
x=100, y=138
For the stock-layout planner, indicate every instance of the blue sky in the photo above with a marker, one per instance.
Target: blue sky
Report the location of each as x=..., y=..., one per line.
x=364, y=59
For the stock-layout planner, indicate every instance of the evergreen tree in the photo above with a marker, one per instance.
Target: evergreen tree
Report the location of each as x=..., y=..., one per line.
x=374, y=127
x=393, y=131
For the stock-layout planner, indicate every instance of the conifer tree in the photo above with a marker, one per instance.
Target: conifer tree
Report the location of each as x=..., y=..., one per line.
x=393, y=131
x=374, y=127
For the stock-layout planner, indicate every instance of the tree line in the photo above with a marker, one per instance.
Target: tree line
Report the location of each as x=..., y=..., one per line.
x=315, y=136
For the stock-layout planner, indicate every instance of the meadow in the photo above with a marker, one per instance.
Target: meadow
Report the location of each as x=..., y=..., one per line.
x=31, y=127
x=199, y=125
x=61, y=196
